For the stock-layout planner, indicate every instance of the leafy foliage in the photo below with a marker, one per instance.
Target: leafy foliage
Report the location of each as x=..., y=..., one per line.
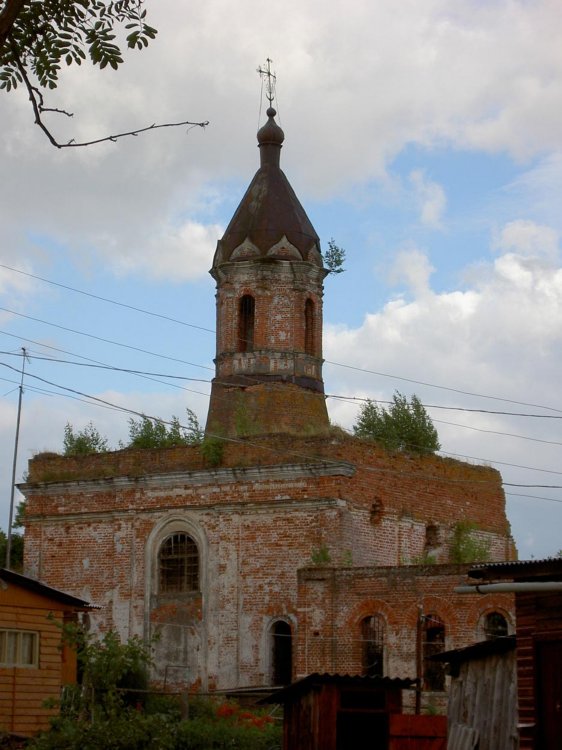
x=404, y=426
x=465, y=547
x=212, y=449
x=153, y=433
x=42, y=36
x=321, y=556
x=16, y=551
x=334, y=258
x=105, y=712
x=83, y=442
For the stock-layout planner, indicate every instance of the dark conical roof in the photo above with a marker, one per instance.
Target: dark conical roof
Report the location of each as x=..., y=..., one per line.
x=270, y=221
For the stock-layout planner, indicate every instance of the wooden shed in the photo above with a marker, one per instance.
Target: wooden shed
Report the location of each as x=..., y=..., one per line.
x=338, y=712
x=34, y=664
x=537, y=585
x=482, y=706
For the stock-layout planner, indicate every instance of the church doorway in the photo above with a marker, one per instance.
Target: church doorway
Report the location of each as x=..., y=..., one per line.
x=281, y=653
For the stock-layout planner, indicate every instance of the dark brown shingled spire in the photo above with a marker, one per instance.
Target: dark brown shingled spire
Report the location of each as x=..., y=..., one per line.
x=270, y=221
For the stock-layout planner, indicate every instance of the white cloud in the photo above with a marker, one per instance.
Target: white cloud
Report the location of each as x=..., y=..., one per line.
x=412, y=266
x=430, y=197
x=502, y=337
x=179, y=254
x=356, y=83
x=530, y=240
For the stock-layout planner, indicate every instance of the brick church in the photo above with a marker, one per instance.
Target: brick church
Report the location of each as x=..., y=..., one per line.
x=290, y=547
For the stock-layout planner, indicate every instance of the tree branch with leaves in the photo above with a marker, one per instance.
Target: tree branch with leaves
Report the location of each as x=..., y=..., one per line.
x=38, y=37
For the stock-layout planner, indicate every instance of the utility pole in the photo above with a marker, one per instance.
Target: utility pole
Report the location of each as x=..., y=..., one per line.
x=13, y=489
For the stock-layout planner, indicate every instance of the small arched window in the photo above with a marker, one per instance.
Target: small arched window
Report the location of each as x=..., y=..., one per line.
x=309, y=327
x=246, y=316
x=372, y=642
x=495, y=626
x=178, y=562
x=281, y=653
x=433, y=643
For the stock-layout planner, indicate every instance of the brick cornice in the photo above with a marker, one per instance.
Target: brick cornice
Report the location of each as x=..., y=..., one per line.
x=279, y=472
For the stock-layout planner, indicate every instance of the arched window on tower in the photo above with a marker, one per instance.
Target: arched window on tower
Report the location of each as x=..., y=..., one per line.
x=433, y=635
x=372, y=642
x=309, y=327
x=178, y=565
x=281, y=653
x=495, y=626
x=246, y=315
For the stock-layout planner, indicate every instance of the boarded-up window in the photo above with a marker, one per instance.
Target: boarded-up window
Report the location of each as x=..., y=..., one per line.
x=495, y=626
x=179, y=564
x=246, y=315
x=372, y=641
x=19, y=648
x=281, y=653
x=309, y=327
x=433, y=643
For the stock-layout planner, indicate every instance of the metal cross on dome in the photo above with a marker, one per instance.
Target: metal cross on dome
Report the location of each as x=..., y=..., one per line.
x=265, y=73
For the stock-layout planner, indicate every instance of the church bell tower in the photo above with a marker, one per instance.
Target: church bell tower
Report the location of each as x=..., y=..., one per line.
x=269, y=274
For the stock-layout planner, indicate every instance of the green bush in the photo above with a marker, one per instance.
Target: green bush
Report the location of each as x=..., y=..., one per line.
x=404, y=426
x=465, y=547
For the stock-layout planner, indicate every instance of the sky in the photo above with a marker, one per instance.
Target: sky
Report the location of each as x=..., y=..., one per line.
x=424, y=137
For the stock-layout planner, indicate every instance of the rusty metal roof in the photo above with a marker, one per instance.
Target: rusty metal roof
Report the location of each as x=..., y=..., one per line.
x=270, y=221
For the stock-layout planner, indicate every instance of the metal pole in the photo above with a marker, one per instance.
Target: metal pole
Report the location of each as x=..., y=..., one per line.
x=419, y=659
x=509, y=588
x=13, y=488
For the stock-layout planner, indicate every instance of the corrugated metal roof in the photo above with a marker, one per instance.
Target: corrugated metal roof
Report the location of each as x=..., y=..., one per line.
x=477, y=650
x=518, y=569
x=316, y=679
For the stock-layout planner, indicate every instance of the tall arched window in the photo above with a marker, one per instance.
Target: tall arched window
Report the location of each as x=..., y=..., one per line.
x=495, y=626
x=309, y=327
x=178, y=563
x=372, y=641
x=281, y=653
x=246, y=315
x=433, y=643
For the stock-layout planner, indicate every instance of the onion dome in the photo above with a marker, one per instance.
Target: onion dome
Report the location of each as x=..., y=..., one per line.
x=270, y=220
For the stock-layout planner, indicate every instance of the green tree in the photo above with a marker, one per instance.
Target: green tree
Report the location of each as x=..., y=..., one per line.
x=154, y=433
x=16, y=551
x=38, y=37
x=404, y=426
x=84, y=441
x=334, y=258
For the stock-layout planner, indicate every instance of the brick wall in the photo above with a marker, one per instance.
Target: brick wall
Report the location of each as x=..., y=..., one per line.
x=94, y=526
x=333, y=603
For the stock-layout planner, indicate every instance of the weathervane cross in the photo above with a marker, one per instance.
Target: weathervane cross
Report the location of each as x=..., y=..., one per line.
x=265, y=72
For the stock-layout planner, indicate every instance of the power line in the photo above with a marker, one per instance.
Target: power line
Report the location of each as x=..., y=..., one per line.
x=534, y=497
x=497, y=432
x=210, y=330
x=47, y=392
x=106, y=299
x=333, y=396
x=309, y=457
x=441, y=387
x=111, y=368
x=447, y=408
x=104, y=340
